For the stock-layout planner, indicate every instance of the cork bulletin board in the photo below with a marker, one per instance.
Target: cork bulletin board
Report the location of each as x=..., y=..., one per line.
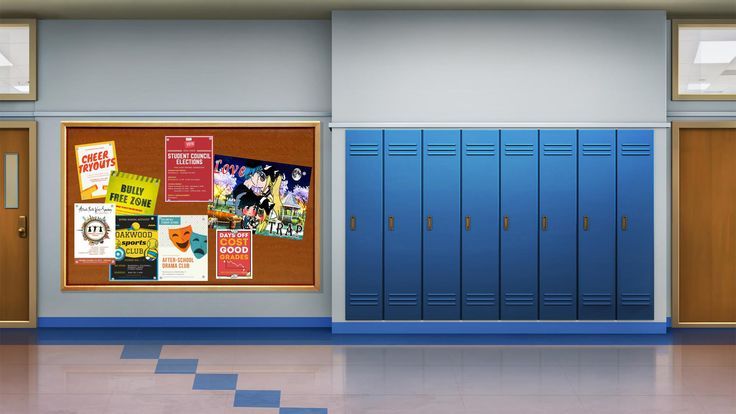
x=283, y=229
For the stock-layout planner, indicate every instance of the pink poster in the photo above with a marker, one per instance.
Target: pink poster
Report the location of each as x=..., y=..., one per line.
x=189, y=165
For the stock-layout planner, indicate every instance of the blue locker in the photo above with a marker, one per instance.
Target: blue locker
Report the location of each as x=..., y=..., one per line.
x=480, y=221
x=402, y=224
x=441, y=252
x=519, y=213
x=635, y=242
x=596, y=224
x=363, y=215
x=558, y=171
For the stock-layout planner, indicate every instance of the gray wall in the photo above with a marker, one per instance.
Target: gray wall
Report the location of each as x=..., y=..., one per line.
x=224, y=68
x=498, y=66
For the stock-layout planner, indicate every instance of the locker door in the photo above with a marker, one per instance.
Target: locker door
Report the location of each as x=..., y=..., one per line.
x=558, y=204
x=635, y=259
x=596, y=224
x=480, y=206
x=519, y=210
x=402, y=224
x=441, y=255
x=363, y=214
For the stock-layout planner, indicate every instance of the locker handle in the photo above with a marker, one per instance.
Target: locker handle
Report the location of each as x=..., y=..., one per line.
x=429, y=223
x=544, y=223
x=624, y=223
x=505, y=222
x=585, y=223
x=467, y=223
x=352, y=223
x=390, y=223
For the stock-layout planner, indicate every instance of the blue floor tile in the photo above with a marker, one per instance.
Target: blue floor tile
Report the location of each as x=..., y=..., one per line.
x=176, y=366
x=215, y=381
x=290, y=410
x=141, y=351
x=252, y=398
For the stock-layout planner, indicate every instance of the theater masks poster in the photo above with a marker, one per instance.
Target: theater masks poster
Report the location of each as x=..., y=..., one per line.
x=182, y=248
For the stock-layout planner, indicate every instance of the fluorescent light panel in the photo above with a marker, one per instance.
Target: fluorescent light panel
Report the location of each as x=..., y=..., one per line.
x=700, y=86
x=720, y=51
x=4, y=62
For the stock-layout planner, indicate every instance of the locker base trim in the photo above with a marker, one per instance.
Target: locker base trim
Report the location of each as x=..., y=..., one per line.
x=500, y=327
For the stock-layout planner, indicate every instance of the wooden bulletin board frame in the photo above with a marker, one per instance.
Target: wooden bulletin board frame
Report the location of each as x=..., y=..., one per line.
x=314, y=214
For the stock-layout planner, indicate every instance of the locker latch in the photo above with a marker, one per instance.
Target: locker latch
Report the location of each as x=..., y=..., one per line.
x=352, y=223
x=585, y=223
x=544, y=223
x=390, y=223
x=624, y=223
x=467, y=223
x=505, y=222
x=429, y=223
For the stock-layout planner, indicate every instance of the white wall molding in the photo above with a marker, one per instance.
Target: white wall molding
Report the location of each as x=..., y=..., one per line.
x=701, y=114
x=165, y=114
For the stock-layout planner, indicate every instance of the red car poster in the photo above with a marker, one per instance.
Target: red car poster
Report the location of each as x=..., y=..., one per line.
x=189, y=164
x=234, y=254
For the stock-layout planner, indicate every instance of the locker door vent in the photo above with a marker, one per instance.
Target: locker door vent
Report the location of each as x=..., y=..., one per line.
x=363, y=299
x=557, y=149
x=557, y=299
x=441, y=299
x=480, y=299
x=441, y=149
x=518, y=149
x=636, y=299
x=636, y=150
x=363, y=150
x=597, y=299
x=599, y=150
x=402, y=149
x=402, y=299
x=487, y=150
x=518, y=299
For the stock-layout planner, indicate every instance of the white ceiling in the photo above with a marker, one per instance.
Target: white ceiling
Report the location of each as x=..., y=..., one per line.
x=320, y=9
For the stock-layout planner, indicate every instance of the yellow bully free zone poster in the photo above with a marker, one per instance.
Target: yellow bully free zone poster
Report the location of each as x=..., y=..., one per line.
x=132, y=194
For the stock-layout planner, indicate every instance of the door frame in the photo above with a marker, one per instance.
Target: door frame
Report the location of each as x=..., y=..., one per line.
x=33, y=220
x=675, y=259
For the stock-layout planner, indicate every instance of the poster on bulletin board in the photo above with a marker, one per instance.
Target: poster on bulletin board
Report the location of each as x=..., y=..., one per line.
x=193, y=203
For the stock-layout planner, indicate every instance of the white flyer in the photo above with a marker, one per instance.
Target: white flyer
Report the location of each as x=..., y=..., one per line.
x=94, y=233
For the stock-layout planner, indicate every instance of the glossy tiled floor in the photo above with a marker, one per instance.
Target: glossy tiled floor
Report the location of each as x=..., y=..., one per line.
x=371, y=379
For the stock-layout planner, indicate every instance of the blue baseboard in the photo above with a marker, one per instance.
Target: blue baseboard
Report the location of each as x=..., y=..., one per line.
x=115, y=322
x=454, y=327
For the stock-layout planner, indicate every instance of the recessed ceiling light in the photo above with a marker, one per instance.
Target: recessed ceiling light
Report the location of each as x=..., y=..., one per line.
x=700, y=86
x=23, y=88
x=4, y=61
x=716, y=51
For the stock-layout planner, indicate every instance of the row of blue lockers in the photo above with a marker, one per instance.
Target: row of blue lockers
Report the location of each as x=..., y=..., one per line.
x=509, y=224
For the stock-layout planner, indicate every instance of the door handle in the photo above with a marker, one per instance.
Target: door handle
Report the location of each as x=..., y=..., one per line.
x=429, y=223
x=23, y=227
x=467, y=223
x=390, y=223
x=585, y=223
x=544, y=223
x=352, y=223
x=505, y=222
x=624, y=223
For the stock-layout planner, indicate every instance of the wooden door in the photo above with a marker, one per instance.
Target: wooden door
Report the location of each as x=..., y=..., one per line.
x=17, y=270
x=704, y=212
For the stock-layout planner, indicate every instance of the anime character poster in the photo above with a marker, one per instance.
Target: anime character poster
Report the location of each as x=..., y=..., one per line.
x=136, y=255
x=269, y=198
x=234, y=254
x=95, y=162
x=182, y=248
x=94, y=233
